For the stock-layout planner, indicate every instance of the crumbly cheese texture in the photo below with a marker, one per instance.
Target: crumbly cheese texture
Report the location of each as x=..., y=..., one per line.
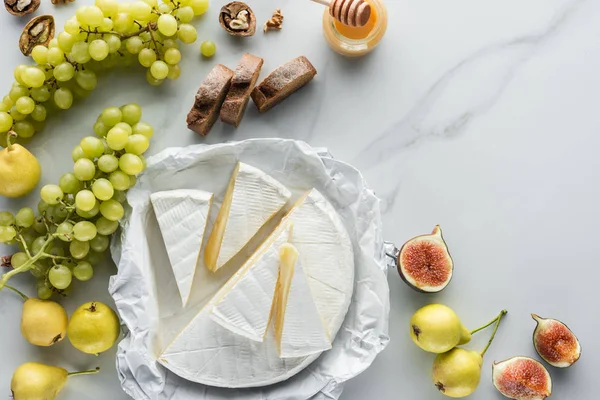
x=299, y=329
x=251, y=200
x=326, y=254
x=182, y=216
x=245, y=306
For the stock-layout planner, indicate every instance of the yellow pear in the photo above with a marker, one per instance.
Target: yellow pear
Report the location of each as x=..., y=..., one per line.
x=20, y=171
x=35, y=381
x=437, y=329
x=43, y=322
x=457, y=372
x=93, y=328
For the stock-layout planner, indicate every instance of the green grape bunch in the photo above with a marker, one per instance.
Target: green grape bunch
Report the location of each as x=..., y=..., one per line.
x=97, y=38
x=71, y=232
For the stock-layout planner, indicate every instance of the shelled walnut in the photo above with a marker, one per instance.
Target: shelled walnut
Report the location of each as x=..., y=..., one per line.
x=40, y=30
x=21, y=7
x=275, y=22
x=238, y=19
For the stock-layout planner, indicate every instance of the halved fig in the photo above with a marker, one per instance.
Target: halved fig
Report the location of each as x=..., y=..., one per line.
x=424, y=262
x=555, y=342
x=522, y=378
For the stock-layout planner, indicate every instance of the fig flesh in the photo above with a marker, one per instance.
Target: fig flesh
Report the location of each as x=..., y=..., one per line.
x=522, y=378
x=425, y=264
x=555, y=342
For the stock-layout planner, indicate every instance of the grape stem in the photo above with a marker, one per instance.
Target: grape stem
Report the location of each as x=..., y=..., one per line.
x=88, y=372
x=53, y=257
x=27, y=265
x=22, y=240
x=23, y=295
x=497, y=320
x=152, y=26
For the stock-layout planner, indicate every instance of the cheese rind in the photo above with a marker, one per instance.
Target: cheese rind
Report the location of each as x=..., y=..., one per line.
x=245, y=305
x=251, y=200
x=182, y=216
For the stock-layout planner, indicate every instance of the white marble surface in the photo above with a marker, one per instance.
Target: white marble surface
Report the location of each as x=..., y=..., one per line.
x=480, y=116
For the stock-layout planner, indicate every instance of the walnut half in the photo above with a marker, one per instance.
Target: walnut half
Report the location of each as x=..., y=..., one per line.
x=275, y=21
x=238, y=19
x=39, y=31
x=21, y=7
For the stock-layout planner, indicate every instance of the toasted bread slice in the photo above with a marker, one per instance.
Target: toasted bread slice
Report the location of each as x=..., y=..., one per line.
x=244, y=78
x=209, y=99
x=282, y=83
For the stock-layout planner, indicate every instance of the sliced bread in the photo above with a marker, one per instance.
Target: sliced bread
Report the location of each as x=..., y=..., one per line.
x=244, y=78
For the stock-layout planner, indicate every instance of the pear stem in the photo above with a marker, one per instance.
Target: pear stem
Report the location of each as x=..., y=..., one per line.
x=498, y=319
x=11, y=135
x=484, y=326
x=88, y=372
x=23, y=295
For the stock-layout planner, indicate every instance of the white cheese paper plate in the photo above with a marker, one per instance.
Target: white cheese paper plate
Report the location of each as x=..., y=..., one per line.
x=148, y=301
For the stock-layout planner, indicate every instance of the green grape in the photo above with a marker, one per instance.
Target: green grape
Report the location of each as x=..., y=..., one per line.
x=25, y=217
x=72, y=26
x=53, y=44
x=95, y=258
x=183, y=3
x=142, y=128
x=57, y=251
x=111, y=116
x=108, y=163
x=88, y=214
x=165, y=8
x=140, y=11
x=28, y=237
x=199, y=6
x=40, y=54
x=85, y=200
x=7, y=233
x=25, y=105
x=80, y=52
x=83, y=271
x=16, y=115
x=137, y=144
x=56, y=56
x=18, y=91
x=117, y=138
x=32, y=77
x=60, y=211
x=208, y=48
x=167, y=25
x=151, y=3
x=51, y=194
x=133, y=179
x=109, y=7
x=99, y=243
x=125, y=126
x=78, y=153
x=187, y=33
x=112, y=210
x=92, y=146
x=66, y=41
x=39, y=226
x=100, y=129
x=8, y=101
x=185, y=14
x=38, y=245
x=123, y=22
x=134, y=44
x=79, y=249
x=69, y=183
x=39, y=113
x=119, y=196
x=41, y=94
x=114, y=43
x=64, y=72
x=152, y=80
x=85, y=230
x=99, y=49
x=60, y=276
x=63, y=98
x=107, y=25
x=6, y=218
x=17, y=73
x=84, y=169
x=44, y=292
x=65, y=231
x=86, y=79
x=172, y=56
x=103, y=189
x=90, y=15
x=174, y=72
x=42, y=206
x=4, y=107
x=131, y=164
x=119, y=180
x=170, y=44
x=24, y=129
x=6, y=122
x=18, y=259
x=106, y=227
x=146, y=57
x=132, y=113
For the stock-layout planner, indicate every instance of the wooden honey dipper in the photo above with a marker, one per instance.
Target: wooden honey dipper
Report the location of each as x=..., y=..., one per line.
x=355, y=13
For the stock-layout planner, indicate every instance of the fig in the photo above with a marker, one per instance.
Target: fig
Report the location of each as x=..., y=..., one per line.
x=424, y=262
x=555, y=342
x=522, y=378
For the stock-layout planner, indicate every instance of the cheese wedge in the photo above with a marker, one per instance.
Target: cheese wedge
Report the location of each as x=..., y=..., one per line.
x=299, y=329
x=244, y=305
x=251, y=200
x=182, y=217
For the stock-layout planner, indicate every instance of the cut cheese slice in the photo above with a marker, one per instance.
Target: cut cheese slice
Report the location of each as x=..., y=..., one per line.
x=251, y=200
x=182, y=217
x=244, y=305
x=299, y=329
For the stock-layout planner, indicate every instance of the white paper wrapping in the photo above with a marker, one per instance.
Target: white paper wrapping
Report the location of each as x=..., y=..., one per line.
x=148, y=302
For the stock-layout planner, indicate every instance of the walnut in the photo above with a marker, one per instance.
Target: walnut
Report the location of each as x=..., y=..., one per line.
x=21, y=7
x=40, y=30
x=275, y=21
x=238, y=19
